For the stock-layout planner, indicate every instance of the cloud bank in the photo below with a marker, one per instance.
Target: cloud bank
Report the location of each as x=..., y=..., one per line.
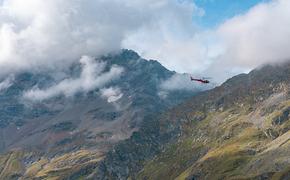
x=92, y=77
x=49, y=34
x=36, y=34
x=261, y=35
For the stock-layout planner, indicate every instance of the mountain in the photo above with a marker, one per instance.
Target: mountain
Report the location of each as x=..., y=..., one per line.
x=64, y=136
x=239, y=130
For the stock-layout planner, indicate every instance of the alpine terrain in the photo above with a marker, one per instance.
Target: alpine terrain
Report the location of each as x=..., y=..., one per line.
x=239, y=130
x=45, y=135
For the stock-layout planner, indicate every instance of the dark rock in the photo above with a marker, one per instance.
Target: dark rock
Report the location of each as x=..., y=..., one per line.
x=283, y=117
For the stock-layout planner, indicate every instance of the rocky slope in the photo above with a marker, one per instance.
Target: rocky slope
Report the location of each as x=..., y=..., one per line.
x=66, y=136
x=239, y=130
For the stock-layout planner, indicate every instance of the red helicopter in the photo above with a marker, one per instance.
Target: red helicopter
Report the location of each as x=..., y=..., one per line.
x=203, y=80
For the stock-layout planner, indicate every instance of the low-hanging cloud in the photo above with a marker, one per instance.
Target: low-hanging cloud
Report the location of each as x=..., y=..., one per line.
x=6, y=83
x=91, y=77
x=112, y=94
x=182, y=82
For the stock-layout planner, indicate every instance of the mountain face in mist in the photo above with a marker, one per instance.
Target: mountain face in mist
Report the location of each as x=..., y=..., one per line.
x=99, y=117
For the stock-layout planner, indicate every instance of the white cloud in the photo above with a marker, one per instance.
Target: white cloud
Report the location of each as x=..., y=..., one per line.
x=261, y=35
x=37, y=34
x=172, y=39
x=92, y=76
x=112, y=94
x=50, y=34
x=5, y=84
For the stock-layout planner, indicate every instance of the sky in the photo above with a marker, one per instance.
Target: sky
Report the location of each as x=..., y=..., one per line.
x=217, y=38
x=217, y=11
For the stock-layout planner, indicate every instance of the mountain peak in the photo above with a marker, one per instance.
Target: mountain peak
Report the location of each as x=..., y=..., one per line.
x=37, y=103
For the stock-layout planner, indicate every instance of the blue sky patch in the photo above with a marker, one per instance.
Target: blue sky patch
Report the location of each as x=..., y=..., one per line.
x=217, y=11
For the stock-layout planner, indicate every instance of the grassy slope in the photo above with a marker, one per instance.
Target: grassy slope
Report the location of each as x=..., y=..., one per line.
x=228, y=144
x=10, y=165
x=68, y=166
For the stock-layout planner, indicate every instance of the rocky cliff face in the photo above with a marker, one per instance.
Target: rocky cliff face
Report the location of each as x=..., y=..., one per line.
x=239, y=130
